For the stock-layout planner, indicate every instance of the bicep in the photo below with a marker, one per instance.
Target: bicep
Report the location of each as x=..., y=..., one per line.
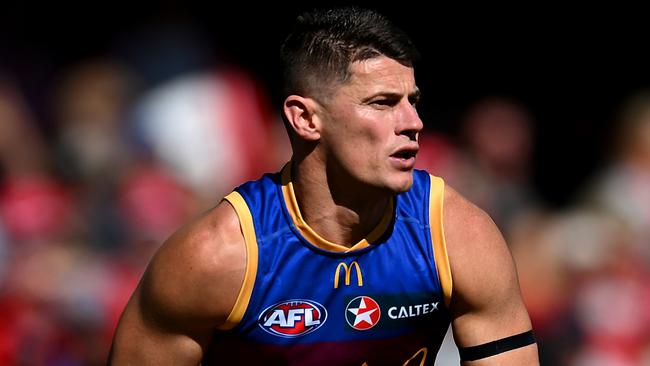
x=145, y=336
x=487, y=303
x=493, y=312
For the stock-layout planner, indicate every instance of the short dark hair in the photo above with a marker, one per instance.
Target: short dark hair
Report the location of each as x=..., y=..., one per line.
x=324, y=42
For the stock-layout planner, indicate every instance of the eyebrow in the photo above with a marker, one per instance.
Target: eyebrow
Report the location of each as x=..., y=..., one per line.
x=415, y=94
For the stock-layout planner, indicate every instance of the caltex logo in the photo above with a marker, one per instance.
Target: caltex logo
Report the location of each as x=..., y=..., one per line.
x=293, y=318
x=362, y=313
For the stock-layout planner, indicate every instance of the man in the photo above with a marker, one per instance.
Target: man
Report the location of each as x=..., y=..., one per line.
x=346, y=256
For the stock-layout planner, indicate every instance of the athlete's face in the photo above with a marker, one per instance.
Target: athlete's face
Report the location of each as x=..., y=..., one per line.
x=370, y=125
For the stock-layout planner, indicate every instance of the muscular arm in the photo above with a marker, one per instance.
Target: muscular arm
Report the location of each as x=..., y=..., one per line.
x=486, y=303
x=188, y=289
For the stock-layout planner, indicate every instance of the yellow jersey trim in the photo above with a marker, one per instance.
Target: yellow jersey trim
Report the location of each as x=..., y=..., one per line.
x=308, y=233
x=436, y=198
x=245, y=292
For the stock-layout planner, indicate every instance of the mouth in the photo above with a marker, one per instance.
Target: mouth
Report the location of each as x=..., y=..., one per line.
x=406, y=153
x=404, y=158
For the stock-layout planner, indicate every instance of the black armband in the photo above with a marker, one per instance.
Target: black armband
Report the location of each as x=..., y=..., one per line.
x=495, y=347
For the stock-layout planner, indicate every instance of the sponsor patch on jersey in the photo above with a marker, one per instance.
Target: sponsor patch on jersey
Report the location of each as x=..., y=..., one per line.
x=362, y=313
x=292, y=318
x=408, y=310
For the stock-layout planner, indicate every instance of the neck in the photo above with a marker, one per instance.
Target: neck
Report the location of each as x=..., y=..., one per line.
x=339, y=211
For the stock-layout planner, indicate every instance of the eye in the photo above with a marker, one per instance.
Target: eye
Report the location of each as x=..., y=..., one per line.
x=384, y=102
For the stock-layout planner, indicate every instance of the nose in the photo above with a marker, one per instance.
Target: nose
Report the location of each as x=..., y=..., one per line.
x=409, y=123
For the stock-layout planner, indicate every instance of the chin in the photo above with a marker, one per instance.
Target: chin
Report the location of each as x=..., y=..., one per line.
x=403, y=184
x=404, y=188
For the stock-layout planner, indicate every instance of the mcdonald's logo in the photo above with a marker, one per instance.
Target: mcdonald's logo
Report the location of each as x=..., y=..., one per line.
x=348, y=269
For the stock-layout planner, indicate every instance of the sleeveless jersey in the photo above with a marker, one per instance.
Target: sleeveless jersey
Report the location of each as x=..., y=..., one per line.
x=308, y=301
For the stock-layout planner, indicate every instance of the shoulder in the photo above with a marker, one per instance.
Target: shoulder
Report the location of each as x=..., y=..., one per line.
x=480, y=261
x=197, y=273
x=188, y=289
x=468, y=224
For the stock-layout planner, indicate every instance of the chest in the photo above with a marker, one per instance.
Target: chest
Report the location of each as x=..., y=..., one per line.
x=302, y=294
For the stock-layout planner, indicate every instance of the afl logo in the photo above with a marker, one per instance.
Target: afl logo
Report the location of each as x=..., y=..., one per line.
x=292, y=318
x=362, y=313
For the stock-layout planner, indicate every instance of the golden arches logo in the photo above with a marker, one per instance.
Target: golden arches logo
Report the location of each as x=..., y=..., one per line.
x=347, y=269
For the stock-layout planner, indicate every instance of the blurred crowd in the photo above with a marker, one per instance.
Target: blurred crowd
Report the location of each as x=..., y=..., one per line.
x=584, y=269
x=135, y=146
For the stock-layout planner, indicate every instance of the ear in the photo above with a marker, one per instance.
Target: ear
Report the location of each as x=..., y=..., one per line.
x=301, y=115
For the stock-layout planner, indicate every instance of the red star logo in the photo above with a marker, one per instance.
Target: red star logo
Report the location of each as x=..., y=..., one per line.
x=362, y=313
